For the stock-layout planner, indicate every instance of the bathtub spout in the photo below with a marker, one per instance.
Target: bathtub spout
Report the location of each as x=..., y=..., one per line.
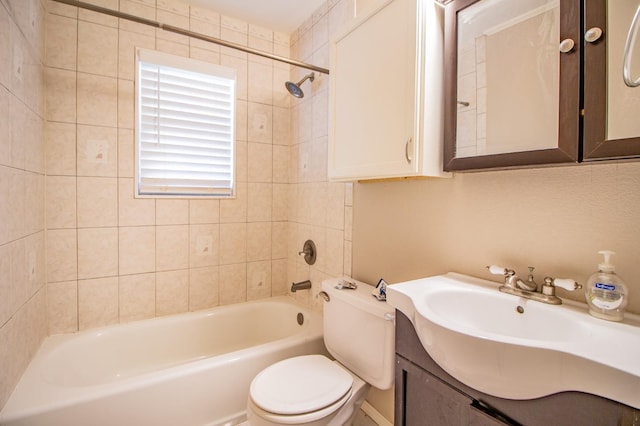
x=302, y=285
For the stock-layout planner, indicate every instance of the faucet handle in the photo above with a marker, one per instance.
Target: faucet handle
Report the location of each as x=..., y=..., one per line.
x=530, y=276
x=498, y=270
x=309, y=251
x=565, y=283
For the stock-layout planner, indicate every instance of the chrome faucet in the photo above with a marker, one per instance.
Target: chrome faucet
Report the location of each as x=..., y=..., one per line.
x=511, y=280
x=302, y=285
x=528, y=289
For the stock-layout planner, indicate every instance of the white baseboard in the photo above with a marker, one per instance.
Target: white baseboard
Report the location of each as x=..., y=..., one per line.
x=375, y=414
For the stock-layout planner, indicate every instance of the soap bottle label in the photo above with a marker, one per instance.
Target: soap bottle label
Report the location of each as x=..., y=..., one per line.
x=606, y=297
x=605, y=286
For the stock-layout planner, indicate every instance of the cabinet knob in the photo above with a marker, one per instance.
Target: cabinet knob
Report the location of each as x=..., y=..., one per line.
x=567, y=45
x=407, y=149
x=593, y=34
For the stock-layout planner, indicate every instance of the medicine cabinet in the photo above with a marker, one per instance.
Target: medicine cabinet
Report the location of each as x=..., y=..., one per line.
x=386, y=93
x=530, y=83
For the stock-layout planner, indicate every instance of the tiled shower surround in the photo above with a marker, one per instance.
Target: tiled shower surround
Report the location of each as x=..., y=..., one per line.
x=77, y=250
x=23, y=322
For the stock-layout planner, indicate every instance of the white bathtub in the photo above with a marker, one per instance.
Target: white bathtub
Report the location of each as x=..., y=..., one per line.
x=189, y=369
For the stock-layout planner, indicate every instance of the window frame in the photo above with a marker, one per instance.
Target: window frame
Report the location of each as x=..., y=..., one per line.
x=189, y=65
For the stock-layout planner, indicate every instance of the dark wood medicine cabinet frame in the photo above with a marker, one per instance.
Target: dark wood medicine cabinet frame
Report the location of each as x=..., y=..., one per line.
x=582, y=113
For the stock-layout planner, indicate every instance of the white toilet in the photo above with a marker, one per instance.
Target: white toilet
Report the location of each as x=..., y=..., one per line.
x=313, y=390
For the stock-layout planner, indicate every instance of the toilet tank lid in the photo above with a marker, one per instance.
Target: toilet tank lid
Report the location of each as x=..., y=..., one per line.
x=300, y=385
x=361, y=297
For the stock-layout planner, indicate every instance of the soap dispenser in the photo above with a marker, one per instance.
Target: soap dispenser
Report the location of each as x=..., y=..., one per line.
x=605, y=291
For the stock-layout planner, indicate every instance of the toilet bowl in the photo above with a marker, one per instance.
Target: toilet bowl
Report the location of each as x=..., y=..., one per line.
x=307, y=390
x=313, y=390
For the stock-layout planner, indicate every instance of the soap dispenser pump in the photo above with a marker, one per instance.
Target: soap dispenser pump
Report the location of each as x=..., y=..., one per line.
x=605, y=291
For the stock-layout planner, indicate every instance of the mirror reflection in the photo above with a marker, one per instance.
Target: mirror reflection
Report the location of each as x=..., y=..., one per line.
x=623, y=103
x=508, y=77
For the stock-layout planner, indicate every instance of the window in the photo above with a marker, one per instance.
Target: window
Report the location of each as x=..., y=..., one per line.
x=185, y=121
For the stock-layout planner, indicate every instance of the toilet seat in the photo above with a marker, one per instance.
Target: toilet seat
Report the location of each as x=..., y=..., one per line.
x=298, y=419
x=310, y=384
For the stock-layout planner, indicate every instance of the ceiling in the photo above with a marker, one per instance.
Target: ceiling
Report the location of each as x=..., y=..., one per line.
x=278, y=15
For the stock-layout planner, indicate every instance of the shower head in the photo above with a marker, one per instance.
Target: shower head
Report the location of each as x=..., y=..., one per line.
x=294, y=88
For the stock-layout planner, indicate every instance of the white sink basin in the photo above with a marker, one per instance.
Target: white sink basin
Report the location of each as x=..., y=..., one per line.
x=517, y=348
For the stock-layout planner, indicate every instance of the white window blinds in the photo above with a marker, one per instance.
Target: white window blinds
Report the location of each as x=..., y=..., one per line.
x=185, y=126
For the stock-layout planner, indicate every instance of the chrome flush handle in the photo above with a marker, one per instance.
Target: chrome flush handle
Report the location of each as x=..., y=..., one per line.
x=324, y=295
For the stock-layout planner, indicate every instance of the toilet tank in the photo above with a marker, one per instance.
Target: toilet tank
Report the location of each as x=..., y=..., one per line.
x=359, y=332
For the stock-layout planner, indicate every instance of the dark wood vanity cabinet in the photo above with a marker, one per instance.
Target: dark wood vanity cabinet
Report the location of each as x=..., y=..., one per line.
x=427, y=400
x=425, y=395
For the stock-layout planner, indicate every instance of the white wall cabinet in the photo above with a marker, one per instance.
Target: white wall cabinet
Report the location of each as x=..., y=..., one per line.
x=386, y=100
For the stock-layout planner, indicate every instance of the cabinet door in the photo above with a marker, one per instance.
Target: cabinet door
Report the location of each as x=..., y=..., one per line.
x=428, y=401
x=611, y=107
x=512, y=83
x=423, y=399
x=373, y=95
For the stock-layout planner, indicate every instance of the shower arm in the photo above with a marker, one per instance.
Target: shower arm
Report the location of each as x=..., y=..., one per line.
x=309, y=76
x=192, y=34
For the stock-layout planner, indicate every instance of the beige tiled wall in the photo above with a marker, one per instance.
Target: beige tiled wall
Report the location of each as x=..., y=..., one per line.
x=113, y=258
x=319, y=210
x=22, y=186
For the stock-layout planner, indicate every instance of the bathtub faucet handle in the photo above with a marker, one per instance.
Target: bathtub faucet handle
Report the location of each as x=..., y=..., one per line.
x=309, y=252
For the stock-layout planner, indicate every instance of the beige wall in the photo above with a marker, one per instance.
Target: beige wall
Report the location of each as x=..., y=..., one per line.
x=555, y=219
x=22, y=239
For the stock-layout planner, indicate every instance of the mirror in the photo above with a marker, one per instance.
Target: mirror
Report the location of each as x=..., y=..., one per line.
x=623, y=98
x=504, y=68
x=611, y=128
x=508, y=70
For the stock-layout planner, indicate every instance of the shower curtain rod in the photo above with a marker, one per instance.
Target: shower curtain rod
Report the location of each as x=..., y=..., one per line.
x=199, y=36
